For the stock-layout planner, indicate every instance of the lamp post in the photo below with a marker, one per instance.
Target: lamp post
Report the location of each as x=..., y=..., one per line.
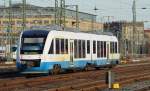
x=9, y=33
x=134, y=28
x=135, y=35
x=77, y=14
x=3, y=38
x=24, y=14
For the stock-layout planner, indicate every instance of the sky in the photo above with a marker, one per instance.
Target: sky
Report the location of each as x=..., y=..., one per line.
x=118, y=10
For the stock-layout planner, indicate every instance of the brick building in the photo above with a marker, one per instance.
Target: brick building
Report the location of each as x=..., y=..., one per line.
x=124, y=32
x=147, y=39
x=36, y=15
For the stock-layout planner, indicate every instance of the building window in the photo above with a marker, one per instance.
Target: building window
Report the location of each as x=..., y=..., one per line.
x=53, y=21
x=73, y=23
x=5, y=22
x=46, y=21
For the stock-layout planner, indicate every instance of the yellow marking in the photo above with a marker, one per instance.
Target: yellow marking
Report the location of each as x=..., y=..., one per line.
x=58, y=58
x=59, y=37
x=116, y=86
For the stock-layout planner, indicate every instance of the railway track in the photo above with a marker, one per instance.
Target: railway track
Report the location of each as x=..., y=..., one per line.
x=84, y=81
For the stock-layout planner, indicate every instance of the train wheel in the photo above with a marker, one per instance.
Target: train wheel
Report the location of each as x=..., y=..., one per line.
x=87, y=67
x=56, y=69
x=97, y=67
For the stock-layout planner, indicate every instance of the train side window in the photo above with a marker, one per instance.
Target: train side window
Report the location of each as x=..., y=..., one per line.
x=88, y=46
x=94, y=47
x=75, y=49
x=51, y=51
x=62, y=46
x=116, y=47
x=57, y=46
x=111, y=47
x=98, y=49
x=104, y=49
x=66, y=46
x=79, y=43
x=83, y=48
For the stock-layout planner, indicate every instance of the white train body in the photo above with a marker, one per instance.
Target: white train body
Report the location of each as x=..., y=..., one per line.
x=40, y=50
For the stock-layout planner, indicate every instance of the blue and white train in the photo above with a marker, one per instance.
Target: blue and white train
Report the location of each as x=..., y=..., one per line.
x=49, y=51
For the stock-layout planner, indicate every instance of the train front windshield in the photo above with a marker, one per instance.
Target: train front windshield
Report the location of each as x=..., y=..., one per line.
x=32, y=45
x=32, y=42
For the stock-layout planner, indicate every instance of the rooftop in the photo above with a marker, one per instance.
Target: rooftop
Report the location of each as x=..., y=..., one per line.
x=147, y=30
x=32, y=10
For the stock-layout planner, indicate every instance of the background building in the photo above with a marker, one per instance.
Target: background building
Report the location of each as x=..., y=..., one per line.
x=18, y=17
x=147, y=41
x=124, y=32
x=36, y=15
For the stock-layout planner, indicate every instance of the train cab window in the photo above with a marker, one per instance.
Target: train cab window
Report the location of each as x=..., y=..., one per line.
x=94, y=47
x=57, y=44
x=88, y=46
x=51, y=51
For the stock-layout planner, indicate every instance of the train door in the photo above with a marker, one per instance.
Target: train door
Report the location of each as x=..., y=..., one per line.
x=71, y=52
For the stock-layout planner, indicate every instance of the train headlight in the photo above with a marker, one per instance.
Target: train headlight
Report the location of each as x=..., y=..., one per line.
x=108, y=63
x=23, y=62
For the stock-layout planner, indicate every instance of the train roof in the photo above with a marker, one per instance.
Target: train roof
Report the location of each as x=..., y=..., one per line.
x=29, y=33
x=59, y=28
x=68, y=33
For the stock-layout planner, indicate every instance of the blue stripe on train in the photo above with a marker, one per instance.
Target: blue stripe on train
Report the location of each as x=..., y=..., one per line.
x=45, y=66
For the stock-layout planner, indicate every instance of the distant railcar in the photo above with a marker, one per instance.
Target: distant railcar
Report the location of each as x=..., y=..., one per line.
x=4, y=50
x=49, y=51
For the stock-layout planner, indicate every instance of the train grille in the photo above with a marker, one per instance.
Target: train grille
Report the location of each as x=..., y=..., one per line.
x=31, y=63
